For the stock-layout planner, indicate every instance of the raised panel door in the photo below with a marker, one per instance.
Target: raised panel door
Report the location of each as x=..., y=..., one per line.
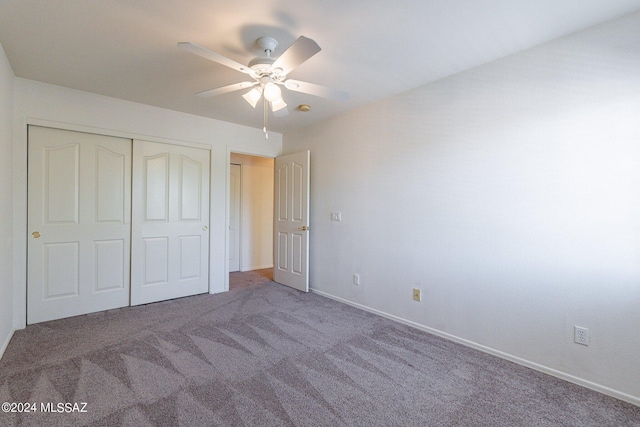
x=79, y=223
x=170, y=238
x=291, y=228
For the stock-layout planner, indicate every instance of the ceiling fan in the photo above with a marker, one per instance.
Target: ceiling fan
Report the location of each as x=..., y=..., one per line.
x=269, y=74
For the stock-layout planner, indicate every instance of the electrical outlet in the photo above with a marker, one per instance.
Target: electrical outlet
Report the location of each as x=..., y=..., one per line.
x=356, y=279
x=416, y=294
x=581, y=335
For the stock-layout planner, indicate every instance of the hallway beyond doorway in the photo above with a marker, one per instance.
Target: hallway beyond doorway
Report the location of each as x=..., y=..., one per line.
x=243, y=279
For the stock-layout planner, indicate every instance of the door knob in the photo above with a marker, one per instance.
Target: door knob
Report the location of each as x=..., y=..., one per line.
x=304, y=228
x=205, y=228
x=35, y=234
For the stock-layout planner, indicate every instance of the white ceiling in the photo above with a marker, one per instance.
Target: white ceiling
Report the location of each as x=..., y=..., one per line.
x=372, y=48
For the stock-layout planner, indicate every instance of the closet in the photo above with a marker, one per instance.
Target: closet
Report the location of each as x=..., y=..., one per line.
x=113, y=222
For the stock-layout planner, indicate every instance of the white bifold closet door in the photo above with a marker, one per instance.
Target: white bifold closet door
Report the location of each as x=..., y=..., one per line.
x=170, y=224
x=93, y=245
x=79, y=223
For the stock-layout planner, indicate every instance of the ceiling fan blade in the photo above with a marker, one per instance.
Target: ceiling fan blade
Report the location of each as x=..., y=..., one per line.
x=301, y=50
x=215, y=57
x=316, y=90
x=225, y=89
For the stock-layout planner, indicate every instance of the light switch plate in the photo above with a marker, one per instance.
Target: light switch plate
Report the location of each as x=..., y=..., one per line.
x=336, y=216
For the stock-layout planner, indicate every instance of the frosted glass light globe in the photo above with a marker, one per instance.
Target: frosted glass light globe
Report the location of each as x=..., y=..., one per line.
x=271, y=92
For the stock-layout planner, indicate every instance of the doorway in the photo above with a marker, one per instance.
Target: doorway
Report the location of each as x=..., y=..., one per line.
x=251, y=240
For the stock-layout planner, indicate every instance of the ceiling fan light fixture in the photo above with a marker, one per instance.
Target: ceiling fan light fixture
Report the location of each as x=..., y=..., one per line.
x=268, y=74
x=278, y=104
x=271, y=92
x=253, y=96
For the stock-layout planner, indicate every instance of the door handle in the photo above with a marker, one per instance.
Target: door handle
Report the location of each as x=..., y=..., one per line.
x=205, y=228
x=304, y=228
x=35, y=234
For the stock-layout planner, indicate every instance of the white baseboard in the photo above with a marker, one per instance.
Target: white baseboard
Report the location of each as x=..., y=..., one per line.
x=257, y=267
x=541, y=368
x=5, y=344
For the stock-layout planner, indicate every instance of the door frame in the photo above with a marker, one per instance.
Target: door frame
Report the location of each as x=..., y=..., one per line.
x=239, y=229
x=230, y=151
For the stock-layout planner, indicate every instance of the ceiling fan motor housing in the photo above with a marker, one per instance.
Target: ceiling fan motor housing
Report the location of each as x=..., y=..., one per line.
x=261, y=65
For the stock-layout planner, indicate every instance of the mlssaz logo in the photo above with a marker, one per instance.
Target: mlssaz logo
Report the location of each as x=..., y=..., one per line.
x=67, y=408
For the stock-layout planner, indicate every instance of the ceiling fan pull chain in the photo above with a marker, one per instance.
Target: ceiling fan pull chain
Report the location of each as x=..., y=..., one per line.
x=266, y=118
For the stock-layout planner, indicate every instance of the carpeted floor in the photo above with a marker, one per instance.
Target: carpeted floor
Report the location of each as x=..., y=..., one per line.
x=267, y=355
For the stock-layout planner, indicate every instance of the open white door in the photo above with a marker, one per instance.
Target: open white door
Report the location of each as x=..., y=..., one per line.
x=170, y=222
x=291, y=221
x=79, y=223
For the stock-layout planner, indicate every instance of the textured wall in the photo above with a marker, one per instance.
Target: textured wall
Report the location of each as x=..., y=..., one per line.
x=6, y=200
x=509, y=194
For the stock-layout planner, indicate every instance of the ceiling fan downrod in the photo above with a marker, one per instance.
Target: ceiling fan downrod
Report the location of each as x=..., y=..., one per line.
x=267, y=44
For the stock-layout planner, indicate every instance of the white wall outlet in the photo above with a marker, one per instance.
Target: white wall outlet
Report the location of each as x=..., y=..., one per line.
x=336, y=216
x=356, y=279
x=417, y=294
x=580, y=335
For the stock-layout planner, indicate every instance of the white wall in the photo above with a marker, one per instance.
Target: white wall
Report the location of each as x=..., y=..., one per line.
x=48, y=105
x=6, y=201
x=510, y=194
x=256, y=230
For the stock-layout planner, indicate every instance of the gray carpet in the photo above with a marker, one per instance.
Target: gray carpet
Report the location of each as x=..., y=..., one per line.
x=266, y=355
